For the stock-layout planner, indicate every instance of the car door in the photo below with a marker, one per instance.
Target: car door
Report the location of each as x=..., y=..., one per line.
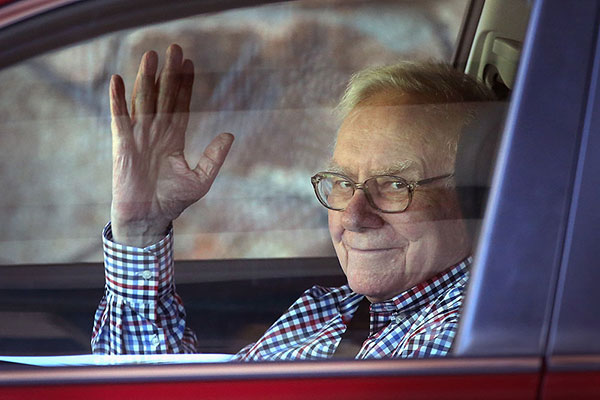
x=517, y=332
x=572, y=352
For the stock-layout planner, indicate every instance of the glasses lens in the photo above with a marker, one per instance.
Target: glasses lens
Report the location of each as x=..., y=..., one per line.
x=389, y=193
x=335, y=190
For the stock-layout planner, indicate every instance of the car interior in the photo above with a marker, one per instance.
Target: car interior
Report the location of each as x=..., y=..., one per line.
x=49, y=308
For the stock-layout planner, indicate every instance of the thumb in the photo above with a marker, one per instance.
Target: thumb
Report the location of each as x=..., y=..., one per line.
x=213, y=157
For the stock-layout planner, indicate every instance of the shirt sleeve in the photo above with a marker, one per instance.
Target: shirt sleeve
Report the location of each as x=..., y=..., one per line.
x=140, y=312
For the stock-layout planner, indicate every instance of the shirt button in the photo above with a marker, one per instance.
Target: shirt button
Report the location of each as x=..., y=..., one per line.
x=400, y=317
x=146, y=274
x=155, y=341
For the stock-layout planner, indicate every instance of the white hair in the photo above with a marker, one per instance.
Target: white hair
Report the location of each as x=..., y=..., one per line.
x=422, y=82
x=444, y=92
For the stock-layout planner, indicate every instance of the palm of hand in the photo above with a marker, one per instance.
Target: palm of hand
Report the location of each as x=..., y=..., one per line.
x=152, y=182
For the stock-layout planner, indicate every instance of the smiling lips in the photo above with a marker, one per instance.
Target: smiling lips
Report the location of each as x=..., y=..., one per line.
x=368, y=249
x=369, y=243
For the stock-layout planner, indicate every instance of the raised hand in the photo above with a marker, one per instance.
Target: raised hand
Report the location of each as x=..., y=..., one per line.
x=152, y=182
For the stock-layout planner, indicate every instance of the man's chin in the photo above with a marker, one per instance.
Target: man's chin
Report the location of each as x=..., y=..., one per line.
x=375, y=273
x=373, y=295
x=368, y=284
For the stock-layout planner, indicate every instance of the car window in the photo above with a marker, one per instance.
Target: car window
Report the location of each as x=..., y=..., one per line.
x=272, y=75
x=269, y=74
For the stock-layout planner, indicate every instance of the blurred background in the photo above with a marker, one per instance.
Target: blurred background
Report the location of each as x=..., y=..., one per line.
x=271, y=75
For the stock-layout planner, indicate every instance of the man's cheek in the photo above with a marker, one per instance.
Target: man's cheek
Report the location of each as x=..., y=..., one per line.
x=413, y=225
x=335, y=226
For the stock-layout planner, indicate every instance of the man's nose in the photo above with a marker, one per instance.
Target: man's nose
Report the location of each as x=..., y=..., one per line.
x=359, y=214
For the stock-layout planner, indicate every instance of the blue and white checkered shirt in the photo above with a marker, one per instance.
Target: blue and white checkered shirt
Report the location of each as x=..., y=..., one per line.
x=140, y=313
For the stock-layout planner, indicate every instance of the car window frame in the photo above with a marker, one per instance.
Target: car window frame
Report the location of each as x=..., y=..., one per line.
x=19, y=39
x=575, y=319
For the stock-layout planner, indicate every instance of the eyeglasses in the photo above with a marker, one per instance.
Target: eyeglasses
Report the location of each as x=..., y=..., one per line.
x=385, y=193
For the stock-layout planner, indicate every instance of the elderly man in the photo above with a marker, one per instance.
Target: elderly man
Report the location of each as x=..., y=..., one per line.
x=394, y=218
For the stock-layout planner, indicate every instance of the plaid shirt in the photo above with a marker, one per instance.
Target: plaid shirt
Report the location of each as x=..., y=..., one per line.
x=141, y=313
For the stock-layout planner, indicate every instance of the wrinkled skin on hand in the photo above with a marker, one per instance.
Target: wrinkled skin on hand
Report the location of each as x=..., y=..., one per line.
x=152, y=182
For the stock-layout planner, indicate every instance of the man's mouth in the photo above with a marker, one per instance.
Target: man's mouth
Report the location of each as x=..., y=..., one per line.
x=368, y=249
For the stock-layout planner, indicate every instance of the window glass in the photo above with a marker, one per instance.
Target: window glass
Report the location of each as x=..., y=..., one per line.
x=269, y=74
x=273, y=76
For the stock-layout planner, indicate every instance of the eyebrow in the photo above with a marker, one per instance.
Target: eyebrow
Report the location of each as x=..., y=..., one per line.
x=398, y=168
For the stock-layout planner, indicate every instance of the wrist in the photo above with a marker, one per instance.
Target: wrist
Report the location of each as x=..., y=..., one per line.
x=138, y=233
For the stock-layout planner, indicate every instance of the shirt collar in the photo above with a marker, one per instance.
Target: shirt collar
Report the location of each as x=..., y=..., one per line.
x=425, y=292
x=346, y=300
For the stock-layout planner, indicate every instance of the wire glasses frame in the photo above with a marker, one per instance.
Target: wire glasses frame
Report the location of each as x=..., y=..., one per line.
x=407, y=187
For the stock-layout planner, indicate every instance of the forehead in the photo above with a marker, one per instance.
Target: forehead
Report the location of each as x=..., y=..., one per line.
x=378, y=139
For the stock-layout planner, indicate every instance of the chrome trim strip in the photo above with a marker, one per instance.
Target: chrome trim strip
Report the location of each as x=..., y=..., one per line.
x=268, y=370
x=574, y=363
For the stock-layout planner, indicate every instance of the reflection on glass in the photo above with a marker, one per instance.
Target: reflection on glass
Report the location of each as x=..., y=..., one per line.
x=271, y=74
x=406, y=268
x=402, y=244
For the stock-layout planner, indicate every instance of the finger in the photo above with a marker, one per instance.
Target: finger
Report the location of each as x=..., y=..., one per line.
x=169, y=81
x=181, y=111
x=144, y=91
x=214, y=155
x=120, y=121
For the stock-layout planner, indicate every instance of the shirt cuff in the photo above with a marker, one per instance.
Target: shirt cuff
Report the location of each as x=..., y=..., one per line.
x=138, y=274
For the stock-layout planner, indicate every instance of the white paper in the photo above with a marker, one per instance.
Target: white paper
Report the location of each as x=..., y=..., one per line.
x=92, y=359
